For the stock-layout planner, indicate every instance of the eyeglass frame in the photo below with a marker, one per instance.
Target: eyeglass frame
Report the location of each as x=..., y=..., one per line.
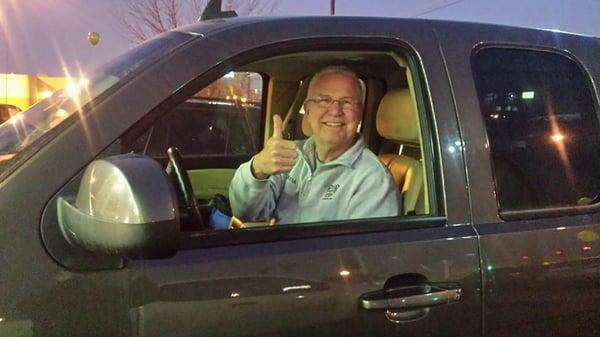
x=346, y=103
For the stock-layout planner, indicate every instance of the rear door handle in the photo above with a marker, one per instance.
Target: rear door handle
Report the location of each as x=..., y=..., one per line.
x=407, y=298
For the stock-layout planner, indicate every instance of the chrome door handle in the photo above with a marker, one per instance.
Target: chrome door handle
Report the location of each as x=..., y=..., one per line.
x=405, y=298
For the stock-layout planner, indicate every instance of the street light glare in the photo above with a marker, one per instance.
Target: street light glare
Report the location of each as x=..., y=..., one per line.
x=557, y=137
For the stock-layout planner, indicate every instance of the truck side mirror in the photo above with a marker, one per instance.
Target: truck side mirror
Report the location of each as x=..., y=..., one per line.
x=125, y=206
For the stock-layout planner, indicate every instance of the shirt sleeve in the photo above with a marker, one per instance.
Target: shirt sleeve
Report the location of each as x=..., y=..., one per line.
x=253, y=199
x=376, y=196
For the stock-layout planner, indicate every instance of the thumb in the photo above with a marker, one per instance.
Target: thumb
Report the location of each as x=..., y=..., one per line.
x=277, y=127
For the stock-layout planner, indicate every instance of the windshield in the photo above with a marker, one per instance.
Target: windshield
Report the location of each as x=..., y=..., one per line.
x=25, y=128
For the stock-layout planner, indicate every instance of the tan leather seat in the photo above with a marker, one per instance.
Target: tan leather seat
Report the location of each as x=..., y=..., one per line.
x=397, y=123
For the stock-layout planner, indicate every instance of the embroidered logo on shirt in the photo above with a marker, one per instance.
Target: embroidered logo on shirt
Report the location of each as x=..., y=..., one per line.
x=331, y=189
x=292, y=180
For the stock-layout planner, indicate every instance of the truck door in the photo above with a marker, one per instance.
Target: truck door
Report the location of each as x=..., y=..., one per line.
x=375, y=277
x=528, y=112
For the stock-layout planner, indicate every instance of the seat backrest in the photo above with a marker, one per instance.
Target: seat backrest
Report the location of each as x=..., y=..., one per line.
x=397, y=122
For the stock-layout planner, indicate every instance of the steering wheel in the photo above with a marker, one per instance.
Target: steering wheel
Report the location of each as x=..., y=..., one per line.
x=185, y=193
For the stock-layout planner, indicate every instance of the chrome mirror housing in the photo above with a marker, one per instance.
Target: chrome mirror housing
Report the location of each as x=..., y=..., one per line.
x=125, y=206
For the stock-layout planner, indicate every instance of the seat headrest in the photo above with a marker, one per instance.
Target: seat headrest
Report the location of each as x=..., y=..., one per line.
x=397, y=117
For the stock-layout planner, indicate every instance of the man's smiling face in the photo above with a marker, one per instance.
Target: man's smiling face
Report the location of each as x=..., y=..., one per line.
x=334, y=124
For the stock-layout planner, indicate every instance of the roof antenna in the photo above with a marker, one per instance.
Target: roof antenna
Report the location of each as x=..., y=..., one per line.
x=213, y=11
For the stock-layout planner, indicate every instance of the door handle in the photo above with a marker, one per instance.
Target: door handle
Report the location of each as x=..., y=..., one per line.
x=407, y=298
x=400, y=298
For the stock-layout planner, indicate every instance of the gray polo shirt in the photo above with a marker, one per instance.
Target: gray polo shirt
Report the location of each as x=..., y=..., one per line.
x=353, y=186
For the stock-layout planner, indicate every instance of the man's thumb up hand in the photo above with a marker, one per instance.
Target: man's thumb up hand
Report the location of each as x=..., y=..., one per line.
x=278, y=156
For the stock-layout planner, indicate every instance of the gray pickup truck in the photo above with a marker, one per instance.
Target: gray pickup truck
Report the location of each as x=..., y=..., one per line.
x=491, y=133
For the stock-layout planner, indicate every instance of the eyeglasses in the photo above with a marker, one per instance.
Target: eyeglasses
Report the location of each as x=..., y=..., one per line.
x=326, y=102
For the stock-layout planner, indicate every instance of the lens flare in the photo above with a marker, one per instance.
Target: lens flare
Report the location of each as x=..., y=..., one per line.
x=557, y=137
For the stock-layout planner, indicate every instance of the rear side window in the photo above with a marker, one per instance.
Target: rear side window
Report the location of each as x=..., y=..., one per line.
x=542, y=128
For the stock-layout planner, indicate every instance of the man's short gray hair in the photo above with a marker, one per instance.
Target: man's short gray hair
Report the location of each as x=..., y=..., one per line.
x=340, y=70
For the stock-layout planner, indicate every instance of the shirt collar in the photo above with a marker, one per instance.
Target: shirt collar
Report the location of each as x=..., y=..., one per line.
x=347, y=158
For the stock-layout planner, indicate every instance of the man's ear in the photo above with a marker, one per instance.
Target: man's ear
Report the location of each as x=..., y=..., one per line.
x=305, y=108
x=306, y=128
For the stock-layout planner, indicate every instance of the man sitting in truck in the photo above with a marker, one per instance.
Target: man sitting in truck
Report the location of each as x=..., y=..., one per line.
x=329, y=176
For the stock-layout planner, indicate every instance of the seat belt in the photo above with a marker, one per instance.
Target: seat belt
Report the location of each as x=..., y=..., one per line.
x=296, y=104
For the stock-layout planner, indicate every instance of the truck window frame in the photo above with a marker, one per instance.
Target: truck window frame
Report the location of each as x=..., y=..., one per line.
x=538, y=213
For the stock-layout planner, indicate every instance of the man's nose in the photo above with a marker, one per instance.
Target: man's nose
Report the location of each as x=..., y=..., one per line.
x=336, y=107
